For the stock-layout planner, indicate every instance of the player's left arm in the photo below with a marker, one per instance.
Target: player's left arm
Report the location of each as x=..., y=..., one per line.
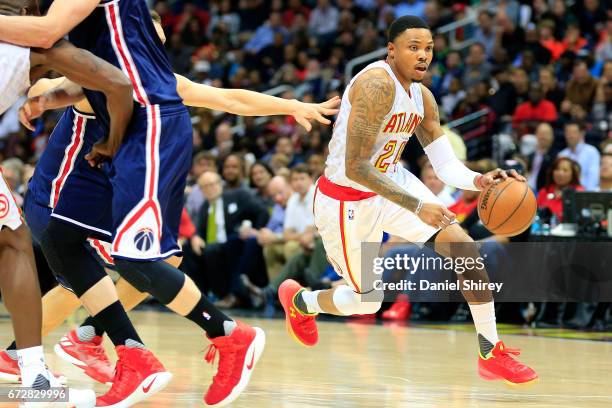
x=442, y=157
x=44, y=31
x=248, y=103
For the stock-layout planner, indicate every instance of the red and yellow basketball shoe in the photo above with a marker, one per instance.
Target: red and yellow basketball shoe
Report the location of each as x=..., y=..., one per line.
x=302, y=327
x=88, y=356
x=10, y=372
x=499, y=364
x=138, y=375
x=238, y=354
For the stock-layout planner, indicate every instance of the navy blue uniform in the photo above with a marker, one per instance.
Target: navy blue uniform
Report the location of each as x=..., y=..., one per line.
x=61, y=168
x=148, y=173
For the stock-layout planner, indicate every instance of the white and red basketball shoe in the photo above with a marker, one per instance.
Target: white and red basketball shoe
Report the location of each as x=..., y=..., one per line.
x=88, y=356
x=138, y=376
x=10, y=373
x=238, y=354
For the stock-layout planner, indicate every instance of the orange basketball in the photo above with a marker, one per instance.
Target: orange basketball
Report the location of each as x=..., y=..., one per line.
x=507, y=208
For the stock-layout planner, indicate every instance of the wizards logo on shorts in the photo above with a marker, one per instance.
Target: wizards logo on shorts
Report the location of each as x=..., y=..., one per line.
x=144, y=239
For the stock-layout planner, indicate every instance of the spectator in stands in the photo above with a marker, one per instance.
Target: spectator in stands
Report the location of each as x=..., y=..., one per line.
x=541, y=54
x=431, y=181
x=563, y=174
x=284, y=146
x=542, y=158
x=520, y=80
x=224, y=141
x=509, y=35
x=584, y=154
x=202, y=162
x=260, y=175
x=485, y=32
x=456, y=93
x=316, y=165
x=410, y=7
x=605, y=173
x=477, y=69
x=463, y=207
x=233, y=172
x=548, y=40
x=324, y=21
x=602, y=108
x=264, y=35
x=298, y=226
x=580, y=89
x=528, y=114
x=212, y=257
x=550, y=86
x=603, y=50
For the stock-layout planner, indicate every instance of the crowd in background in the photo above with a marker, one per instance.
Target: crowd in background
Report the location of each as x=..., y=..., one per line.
x=540, y=71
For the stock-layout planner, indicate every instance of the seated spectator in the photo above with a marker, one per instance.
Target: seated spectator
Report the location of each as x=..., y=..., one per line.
x=264, y=35
x=284, y=146
x=477, y=69
x=585, y=155
x=581, y=88
x=324, y=20
x=213, y=257
x=224, y=141
x=233, y=172
x=463, y=207
x=431, y=180
x=528, y=114
x=260, y=176
x=550, y=86
x=542, y=158
x=605, y=173
x=298, y=226
x=485, y=32
x=202, y=162
x=316, y=165
x=564, y=174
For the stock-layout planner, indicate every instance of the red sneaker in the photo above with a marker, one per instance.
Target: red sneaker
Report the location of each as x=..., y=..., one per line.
x=499, y=365
x=302, y=327
x=138, y=375
x=400, y=310
x=10, y=372
x=88, y=356
x=238, y=354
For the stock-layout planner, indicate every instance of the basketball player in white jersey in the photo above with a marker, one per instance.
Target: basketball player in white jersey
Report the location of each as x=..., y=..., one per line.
x=18, y=278
x=364, y=191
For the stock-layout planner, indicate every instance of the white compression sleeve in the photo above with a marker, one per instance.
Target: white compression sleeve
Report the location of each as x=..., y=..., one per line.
x=448, y=167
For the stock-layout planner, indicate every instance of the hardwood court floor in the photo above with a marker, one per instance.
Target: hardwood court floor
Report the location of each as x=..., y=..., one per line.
x=358, y=365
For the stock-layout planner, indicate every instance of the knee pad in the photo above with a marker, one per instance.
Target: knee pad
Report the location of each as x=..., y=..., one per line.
x=350, y=303
x=62, y=245
x=158, y=278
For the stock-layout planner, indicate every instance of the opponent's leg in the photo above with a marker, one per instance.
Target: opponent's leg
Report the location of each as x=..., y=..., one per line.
x=495, y=361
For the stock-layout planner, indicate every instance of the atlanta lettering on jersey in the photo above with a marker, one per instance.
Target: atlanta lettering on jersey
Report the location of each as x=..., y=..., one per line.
x=398, y=124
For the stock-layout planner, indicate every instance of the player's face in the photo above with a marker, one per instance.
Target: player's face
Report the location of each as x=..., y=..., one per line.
x=411, y=53
x=562, y=175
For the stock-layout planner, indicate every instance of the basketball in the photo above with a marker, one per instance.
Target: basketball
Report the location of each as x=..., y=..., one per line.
x=507, y=208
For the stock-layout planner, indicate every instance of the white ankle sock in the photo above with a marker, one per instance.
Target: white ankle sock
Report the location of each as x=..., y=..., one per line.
x=484, y=320
x=311, y=300
x=31, y=363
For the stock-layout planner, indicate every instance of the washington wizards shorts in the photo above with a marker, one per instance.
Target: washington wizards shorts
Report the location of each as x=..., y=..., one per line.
x=148, y=178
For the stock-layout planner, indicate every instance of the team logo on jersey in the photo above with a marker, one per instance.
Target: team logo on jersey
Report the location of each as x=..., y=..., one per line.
x=4, y=206
x=351, y=214
x=144, y=239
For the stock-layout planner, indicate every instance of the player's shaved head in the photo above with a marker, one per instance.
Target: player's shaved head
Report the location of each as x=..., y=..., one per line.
x=19, y=7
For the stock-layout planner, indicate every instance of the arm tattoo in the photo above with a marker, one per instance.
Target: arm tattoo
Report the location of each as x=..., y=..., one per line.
x=372, y=99
x=429, y=129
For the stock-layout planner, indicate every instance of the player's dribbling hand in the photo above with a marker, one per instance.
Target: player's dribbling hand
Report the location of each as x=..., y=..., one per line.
x=496, y=176
x=31, y=109
x=100, y=152
x=305, y=112
x=436, y=215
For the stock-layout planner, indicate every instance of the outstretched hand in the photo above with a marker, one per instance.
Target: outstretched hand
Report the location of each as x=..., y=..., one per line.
x=305, y=112
x=31, y=109
x=496, y=176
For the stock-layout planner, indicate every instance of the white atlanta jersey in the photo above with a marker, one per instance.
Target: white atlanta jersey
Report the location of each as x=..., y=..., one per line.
x=397, y=127
x=14, y=74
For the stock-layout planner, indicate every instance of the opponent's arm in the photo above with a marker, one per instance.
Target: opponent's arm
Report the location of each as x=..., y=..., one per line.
x=47, y=94
x=91, y=72
x=371, y=99
x=44, y=31
x=442, y=157
x=248, y=103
